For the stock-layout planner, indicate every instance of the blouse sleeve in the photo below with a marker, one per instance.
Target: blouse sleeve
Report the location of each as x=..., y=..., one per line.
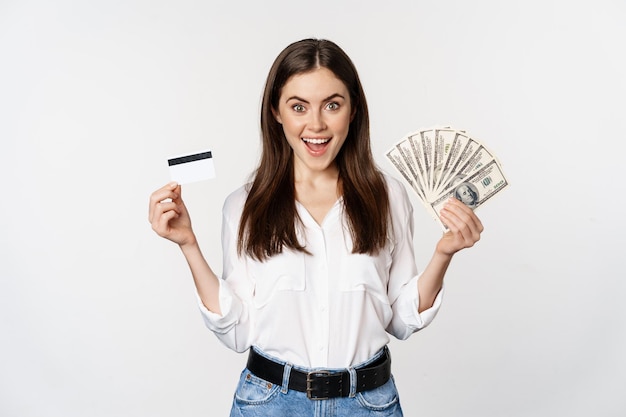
x=233, y=326
x=403, y=276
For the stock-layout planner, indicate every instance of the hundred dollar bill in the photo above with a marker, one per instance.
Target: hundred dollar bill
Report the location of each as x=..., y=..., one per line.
x=444, y=137
x=427, y=140
x=415, y=140
x=414, y=164
x=397, y=159
x=456, y=147
x=475, y=190
x=462, y=155
x=479, y=158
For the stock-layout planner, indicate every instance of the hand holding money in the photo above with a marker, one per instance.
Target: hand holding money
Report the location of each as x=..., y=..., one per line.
x=463, y=227
x=441, y=163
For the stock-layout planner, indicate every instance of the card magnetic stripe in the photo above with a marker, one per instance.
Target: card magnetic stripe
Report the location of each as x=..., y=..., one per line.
x=189, y=158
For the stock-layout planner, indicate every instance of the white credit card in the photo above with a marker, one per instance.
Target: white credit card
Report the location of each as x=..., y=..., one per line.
x=192, y=168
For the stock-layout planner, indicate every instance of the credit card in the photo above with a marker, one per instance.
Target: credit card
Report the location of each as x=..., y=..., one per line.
x=195, y=167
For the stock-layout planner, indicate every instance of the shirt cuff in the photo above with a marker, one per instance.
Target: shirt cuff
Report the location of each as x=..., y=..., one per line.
x=427, y=316
x=229, y=306
x=412, y=317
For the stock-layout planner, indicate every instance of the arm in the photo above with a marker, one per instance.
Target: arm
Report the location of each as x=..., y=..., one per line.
x=170, y=219
x=464, y=231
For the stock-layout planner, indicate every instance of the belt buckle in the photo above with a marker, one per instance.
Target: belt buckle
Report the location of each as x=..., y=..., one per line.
x=309, y=380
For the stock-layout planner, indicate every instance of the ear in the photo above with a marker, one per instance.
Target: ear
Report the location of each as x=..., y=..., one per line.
x=277, y=116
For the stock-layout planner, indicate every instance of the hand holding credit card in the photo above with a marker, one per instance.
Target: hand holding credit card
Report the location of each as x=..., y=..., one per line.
x=185, y=169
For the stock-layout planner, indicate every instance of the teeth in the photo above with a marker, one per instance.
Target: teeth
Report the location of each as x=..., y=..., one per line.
x=315, y=141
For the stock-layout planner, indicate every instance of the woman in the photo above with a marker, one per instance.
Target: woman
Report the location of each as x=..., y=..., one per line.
x=318, y=266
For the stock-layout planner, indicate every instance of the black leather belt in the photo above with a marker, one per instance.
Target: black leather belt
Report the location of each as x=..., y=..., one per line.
x=321, y=384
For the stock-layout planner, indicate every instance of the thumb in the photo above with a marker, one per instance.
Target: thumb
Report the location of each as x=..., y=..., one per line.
x=178, y=190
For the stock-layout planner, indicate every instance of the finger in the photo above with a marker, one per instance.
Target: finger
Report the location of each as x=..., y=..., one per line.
x=164, y=212
x=162, y=224
x=457, y=226
x=156, y=211
x=463, y=212
x=478, y=223
x=166, y=206
x=163, y=193
x=162, y=207
x=462, y=226
x=178, y=192
x=468, y=234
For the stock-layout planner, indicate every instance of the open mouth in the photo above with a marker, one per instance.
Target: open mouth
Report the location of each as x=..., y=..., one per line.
x=316, y=144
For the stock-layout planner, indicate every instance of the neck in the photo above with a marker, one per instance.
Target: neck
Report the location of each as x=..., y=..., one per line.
x=307, y=176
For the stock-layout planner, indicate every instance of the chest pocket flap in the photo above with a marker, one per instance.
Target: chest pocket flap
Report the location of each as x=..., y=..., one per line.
x=281, y=273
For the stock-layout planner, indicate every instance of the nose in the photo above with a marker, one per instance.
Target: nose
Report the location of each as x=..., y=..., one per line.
x=316, y=122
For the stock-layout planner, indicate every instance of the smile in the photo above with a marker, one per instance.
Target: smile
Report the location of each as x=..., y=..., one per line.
x=316, y=141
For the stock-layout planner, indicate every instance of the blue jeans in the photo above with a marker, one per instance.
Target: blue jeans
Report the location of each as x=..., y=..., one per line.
x=256, y=397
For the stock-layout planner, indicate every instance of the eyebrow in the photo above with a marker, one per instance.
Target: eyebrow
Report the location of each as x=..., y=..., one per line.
x=332, y=96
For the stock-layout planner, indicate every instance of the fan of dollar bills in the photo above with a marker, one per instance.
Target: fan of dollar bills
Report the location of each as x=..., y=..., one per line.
x=439, y=163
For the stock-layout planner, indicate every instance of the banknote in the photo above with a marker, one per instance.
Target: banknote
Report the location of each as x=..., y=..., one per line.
x=399, y=160
x=442, y=162
x=444, y=139
x=476, y=189
x=480, y=156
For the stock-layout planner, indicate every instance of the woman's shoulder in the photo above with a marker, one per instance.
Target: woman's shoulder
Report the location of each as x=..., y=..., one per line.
x=395, y=188
x=234, y=202
x=399, y=201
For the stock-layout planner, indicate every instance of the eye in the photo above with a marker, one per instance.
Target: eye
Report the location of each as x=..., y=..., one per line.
x=333, y=105
x=299, y=108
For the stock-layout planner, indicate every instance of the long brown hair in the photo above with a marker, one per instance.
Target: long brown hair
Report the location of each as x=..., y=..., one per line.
x=269, y=217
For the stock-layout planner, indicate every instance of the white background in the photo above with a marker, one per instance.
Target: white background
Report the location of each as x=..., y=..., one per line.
x=98, y=315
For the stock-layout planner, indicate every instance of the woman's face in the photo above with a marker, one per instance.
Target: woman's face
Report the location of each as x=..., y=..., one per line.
x=315, y=111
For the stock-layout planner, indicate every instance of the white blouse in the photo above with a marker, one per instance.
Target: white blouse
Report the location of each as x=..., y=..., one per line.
x=330, y=309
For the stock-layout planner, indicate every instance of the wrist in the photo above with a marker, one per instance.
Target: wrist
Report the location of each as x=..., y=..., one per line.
x=442, y=257
x=189, y=244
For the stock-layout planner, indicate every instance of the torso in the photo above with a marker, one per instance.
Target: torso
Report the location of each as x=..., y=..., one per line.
x=293, y=298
